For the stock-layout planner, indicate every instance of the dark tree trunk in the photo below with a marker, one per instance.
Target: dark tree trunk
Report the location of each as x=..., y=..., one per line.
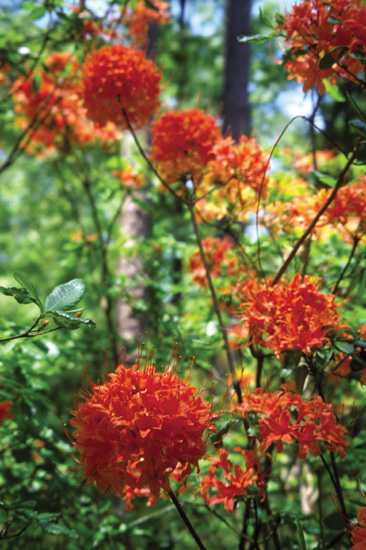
x=236, y=111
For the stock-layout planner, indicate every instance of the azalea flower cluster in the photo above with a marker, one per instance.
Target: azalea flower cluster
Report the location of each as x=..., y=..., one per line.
x=285, y=417
x=182, y=145
x=118, y=79
x=293, y=315
x=218, y=260
x=129, y=178
x=358, y=532
x=326, y=40
x=137, y=428
x=188, y=148
x=141, y=17
x=52, y=114
x=236, y=479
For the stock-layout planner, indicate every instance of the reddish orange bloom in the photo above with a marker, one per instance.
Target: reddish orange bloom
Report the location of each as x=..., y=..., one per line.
x=219, y=263
x=182, y=144
x=236, y=479
x=129, y=179
x=4, y=411
x=316, y=28
x=286, y=417
x=358, y=532
x=141, y=17
x=117, y=78
x=133, y=430
x=349, y=202
x=54, y=114
x=289, y=316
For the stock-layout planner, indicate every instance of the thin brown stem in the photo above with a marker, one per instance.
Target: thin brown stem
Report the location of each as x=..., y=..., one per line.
x=356, y=240
x=236, y=383
x=186, y=521
x=315, y=220
x=148, y=161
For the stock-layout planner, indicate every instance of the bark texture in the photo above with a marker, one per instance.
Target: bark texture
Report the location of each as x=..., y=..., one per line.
x=236, y=111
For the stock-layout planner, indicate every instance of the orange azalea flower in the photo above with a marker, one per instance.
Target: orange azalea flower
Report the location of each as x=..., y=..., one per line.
x=236, y=480
x=349, y=202
x=182, y=144
x=55, y=109
x=133, y=430
x=216, y=253
x=141, y=17
x=286, y=417
x=358, y=532
x=116, y=78
x=318, y=27
x=235, y=176
x=4, y=411
x=129, y=179
x=289, y=316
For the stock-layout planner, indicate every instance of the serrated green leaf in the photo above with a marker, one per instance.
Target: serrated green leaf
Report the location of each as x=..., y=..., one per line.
x=65, y=320
x=346, y=348
x=359, y=127
x=29, y=287
x=65, y=296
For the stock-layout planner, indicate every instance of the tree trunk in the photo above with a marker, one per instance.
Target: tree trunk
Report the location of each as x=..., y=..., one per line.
x=236, y=111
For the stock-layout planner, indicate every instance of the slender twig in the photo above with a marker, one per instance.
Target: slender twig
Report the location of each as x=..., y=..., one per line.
x=236, y=383
x=335, y=483
x=185, y=519
x=148, y=161
x=105, y=271
x=356, y=240
x=28, y=335
x=315, y=220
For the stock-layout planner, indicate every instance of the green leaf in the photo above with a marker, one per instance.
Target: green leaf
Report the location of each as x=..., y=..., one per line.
x=327, y=179
x=333, y=521
x=356, y=107
x=29, y=287
x=359, y=127
x=300, y=533
x=36, y=82
x=327, y=61
x=142, y=204
x=65, y=296
x=65, y=320
x=57, y=529
x=279, y=18
x=20, y=294
x=150, y=5
x=37, y=12
x=334, y=92
x=346, y=348
x=257, y=38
